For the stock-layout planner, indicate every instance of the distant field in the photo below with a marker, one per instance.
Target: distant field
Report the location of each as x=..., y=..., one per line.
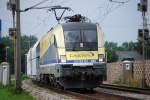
x=9, y=93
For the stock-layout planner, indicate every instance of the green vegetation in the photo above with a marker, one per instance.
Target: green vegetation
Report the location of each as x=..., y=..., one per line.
x=2, y=52
x=24, y=77
x=112, y=47
x=9, y=93
x=26, y=43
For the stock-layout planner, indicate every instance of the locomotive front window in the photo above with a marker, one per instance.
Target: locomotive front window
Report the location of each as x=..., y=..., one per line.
x=89, y=36
x=72, y=36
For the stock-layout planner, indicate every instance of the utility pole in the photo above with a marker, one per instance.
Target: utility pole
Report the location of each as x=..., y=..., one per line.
x=11, y=5
x=143, y=34
x=18, y=53
x=14, y=6
x=14, y=35
x=7, y=47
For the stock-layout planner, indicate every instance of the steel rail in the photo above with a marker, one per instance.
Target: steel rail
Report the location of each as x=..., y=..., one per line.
x=126, y=88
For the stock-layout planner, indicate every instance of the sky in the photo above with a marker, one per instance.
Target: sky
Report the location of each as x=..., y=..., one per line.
x=119, y=22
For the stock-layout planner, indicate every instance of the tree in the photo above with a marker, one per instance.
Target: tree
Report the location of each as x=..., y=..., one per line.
x=26, y=43
x=111, y=48
x=2, y=52
x=128, y=46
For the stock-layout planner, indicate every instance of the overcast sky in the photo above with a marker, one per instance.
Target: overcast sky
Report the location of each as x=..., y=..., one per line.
x=119, y=22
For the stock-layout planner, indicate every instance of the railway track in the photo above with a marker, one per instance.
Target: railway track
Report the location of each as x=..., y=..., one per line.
x=81, y=94
x=126, y=89
x=99, y=96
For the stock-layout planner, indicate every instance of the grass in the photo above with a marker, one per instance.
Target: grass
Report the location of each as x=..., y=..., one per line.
x=10, y=93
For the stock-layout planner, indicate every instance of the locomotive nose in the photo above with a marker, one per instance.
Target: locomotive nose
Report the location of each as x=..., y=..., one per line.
x=84, y=76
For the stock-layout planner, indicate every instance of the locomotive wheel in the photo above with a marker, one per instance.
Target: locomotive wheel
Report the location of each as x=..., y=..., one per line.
x=58, y=86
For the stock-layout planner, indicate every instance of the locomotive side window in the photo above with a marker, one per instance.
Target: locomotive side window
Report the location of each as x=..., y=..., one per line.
x=55, y=43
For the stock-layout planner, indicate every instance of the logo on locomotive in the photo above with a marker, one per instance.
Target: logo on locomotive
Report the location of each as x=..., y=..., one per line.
x=82, y=55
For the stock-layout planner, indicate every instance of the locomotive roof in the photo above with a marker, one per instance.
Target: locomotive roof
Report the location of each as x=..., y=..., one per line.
x=78, y=25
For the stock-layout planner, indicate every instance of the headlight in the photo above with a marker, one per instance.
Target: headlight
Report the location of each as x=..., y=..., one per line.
x=101, y=57
x=63, y=58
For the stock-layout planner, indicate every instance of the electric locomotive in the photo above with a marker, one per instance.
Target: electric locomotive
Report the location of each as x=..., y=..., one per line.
x=71, y=55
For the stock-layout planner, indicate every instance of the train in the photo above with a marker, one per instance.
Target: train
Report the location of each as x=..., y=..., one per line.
x=69, y=55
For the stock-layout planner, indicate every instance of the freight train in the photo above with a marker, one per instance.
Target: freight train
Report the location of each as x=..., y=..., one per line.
x=70, y=55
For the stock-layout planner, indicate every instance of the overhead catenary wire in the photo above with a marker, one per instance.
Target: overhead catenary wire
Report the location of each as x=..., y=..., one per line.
x=115, y=1
x=110, y=11
x=112, y=8
x=47, y=7
x=34, y=6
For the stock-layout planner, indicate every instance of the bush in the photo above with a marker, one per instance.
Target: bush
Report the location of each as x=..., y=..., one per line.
x=9, y=93
x=24, y=76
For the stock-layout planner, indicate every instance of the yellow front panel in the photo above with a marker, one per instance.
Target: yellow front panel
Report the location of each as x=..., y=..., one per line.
x=101, y=50
x=82, y=55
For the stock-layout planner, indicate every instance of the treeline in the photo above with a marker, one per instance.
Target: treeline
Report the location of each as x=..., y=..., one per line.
x=7, y=50
x=112, y=47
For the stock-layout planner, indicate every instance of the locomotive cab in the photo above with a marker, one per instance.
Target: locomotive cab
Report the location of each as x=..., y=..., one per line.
x=83, y=64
